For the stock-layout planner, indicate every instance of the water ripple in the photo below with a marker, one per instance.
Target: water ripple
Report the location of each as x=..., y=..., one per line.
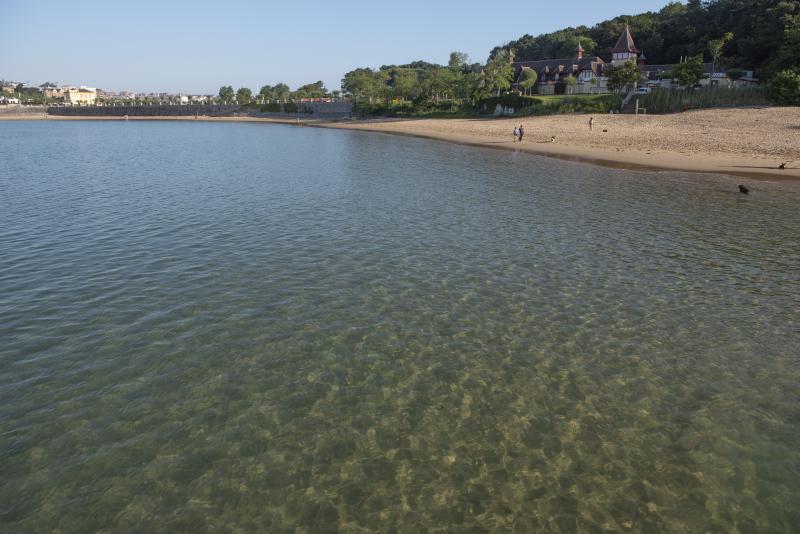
x=243, y=327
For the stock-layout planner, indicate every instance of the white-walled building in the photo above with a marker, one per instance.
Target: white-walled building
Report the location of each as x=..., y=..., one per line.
x=80, y=95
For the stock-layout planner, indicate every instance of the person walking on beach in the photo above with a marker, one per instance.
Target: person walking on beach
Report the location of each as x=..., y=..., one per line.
x=521, y=132
x=591, y=123
x=516, y=133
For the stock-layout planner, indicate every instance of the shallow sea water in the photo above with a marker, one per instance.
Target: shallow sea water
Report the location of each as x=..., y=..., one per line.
x=247, y=327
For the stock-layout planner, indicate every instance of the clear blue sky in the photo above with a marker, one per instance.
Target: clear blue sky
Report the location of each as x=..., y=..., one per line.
x=194, y=47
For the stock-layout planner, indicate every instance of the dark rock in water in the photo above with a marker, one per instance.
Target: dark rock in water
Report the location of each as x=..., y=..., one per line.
x=744, y=190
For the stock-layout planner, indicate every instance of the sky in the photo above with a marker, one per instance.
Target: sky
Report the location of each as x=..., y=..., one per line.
x=195, y=47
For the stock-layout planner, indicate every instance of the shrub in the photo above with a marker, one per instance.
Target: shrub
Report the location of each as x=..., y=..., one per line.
x=513, y=100
x=784, y=88
x=421, y=108
x=554, y=105
x=675, y=100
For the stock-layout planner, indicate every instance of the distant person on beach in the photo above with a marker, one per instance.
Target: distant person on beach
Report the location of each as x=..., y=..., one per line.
x=521, y=132
x=591, y=123
x=516, y=133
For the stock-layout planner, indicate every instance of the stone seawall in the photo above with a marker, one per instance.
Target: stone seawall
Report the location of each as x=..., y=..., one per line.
x=322, y=110
x=144, y=111
x=10, y=110
x=316, y=110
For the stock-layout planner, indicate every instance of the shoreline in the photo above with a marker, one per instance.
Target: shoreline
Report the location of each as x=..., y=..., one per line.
x=603, y=158
x=574, y=144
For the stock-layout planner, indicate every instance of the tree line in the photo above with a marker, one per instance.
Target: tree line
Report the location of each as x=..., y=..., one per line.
x=279, y=92
x=458, y=81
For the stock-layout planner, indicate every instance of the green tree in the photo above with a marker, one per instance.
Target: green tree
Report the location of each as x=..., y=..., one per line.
x=784, y=87
x=434, y=83
x=570, y=82
x=226, y=94
x=311, y=90
x=444, y=83
x=734, y=74
x=458, y=60
x=281, y=91
x=786, y=56
x=266, y=93
x=477, y=87
x=404, y=83
x=566, y=45
x=527, y=80
x=690, y=72
x=362, y=84
x=244, y=95
x=715, y=47
x=499, y=71
x=623, y=76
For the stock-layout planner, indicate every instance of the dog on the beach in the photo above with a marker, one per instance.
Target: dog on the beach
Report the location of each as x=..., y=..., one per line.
x=782, y=166
x=552, y=138
x=743, y=190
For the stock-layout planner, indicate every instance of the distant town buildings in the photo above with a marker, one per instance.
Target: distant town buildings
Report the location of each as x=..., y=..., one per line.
x=70, y=95
x=80, y=96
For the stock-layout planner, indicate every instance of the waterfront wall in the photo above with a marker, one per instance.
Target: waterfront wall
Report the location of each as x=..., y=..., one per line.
x=324, y=110
x=316, y=110
x=319, y=110
x=11, y=110
x=144, y=111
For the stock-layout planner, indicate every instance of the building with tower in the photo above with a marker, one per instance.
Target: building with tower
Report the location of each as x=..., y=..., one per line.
x=587, y=71
x=590, y=72
x=625, y=50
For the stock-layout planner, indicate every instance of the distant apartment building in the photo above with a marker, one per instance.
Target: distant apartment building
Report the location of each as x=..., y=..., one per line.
x=80, y=96
x=51, y=91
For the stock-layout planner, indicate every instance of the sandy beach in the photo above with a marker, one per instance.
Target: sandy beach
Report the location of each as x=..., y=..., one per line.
x=749, y=142
x=743, y=142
